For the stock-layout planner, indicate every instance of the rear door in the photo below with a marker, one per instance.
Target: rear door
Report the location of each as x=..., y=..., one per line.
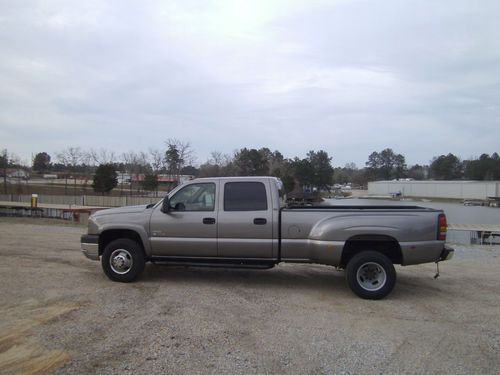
x=245, y=225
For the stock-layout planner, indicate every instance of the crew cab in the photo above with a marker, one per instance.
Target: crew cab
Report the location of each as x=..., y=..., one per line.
x=245, y=222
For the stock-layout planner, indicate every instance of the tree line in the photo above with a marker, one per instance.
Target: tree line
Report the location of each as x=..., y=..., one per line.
x=315, y=170
x=388, y=165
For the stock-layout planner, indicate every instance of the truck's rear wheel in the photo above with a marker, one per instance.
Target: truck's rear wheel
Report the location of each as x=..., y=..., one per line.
x=371, y=275
x=123, y=260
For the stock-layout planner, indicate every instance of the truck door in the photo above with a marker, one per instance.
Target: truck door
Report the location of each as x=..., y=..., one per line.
x=190, y=228
x=245, y=220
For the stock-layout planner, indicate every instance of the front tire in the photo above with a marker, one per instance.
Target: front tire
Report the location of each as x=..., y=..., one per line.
x=123, y=260
x=370, y=275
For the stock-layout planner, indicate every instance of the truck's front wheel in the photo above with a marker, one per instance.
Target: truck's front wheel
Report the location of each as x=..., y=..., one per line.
x=123, y=260
x=371, y=275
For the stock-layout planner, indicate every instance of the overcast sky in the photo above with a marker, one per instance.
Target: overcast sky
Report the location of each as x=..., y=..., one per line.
x=349, y=77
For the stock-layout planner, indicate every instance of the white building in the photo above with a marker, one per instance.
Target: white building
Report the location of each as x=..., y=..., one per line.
x=19, y=173
x=437, y=189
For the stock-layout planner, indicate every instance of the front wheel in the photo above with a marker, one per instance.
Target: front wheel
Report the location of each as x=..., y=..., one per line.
x=123, y=260
x=371, y=275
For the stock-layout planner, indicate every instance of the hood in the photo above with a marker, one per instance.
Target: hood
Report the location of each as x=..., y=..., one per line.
x=121, y=210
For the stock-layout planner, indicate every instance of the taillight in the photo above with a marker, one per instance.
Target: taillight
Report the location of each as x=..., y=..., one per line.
x=442, y=227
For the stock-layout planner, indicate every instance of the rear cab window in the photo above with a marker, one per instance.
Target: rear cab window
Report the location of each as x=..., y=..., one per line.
x=245, y=196
x=282, y=193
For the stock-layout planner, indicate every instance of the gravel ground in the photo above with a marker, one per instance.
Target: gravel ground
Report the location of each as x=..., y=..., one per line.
x=61, y=314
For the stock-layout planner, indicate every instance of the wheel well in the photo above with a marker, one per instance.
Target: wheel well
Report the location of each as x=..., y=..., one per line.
x=386, y=245
x=113, y=234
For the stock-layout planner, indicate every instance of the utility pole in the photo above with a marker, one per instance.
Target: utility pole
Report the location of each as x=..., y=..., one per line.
x=5, y=162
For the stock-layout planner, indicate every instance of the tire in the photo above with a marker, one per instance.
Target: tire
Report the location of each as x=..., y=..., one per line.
x=370, y=275
x=123, y=260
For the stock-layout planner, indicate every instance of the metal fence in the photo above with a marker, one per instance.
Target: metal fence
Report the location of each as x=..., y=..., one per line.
x=81, y=200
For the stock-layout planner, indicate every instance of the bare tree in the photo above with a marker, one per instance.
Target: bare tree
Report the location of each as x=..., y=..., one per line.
x=88, y=164
x=212, y=167
x=184, y=149
x=102, y=156
x=216, y=158
x=71, y=157
x=157, y=160
x=136, y=164
x=144, y=160
x=218, y=164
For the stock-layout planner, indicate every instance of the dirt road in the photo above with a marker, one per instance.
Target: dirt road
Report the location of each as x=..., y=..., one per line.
x=60, y=314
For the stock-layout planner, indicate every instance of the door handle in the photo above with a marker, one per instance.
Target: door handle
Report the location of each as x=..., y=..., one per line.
x=260, y=221
x=208, y=220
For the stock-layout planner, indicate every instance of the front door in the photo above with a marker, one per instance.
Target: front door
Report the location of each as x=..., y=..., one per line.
x=189, y=229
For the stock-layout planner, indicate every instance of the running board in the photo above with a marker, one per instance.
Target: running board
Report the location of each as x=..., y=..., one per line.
x=214, y=262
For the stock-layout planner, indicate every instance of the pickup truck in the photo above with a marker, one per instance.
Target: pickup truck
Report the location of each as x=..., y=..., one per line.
x=245, y=222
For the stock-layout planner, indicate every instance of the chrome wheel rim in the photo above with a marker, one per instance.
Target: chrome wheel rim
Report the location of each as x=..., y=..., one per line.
x=121, y=261
x=371, y=276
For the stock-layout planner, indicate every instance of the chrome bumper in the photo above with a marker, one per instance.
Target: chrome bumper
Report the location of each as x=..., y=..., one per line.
x=90, y=246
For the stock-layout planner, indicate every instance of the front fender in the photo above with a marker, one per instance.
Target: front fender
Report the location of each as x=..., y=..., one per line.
x=136, y=222
x=130, y=227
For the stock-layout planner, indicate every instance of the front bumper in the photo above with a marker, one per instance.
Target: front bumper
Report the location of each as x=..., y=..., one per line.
x=90, y=246
x=446, y=254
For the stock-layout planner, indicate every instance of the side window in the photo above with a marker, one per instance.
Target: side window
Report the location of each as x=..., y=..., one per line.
x=245, y=196
x=194, y=197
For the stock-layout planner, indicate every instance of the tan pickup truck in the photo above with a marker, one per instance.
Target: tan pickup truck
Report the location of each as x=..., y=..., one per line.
x=244, y=222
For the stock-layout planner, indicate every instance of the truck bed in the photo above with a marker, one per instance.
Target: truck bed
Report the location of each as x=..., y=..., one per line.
x=359, y=207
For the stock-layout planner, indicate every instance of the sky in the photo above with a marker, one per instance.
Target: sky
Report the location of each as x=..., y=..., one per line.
x=348, y=77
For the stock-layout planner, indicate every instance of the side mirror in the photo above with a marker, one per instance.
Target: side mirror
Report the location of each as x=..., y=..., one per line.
x=165, y=207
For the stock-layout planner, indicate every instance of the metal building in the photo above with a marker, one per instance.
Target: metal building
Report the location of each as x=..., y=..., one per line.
x=437, y=189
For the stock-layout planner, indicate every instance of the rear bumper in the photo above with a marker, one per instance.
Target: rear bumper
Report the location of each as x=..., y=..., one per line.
x=90, y=246
x=446, y=254
x=424, y=252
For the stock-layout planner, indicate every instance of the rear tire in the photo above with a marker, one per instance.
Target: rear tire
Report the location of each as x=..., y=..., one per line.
x=370, y=275
x=123, y=260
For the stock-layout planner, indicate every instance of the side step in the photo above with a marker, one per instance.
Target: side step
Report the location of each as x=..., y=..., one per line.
x=215, y=262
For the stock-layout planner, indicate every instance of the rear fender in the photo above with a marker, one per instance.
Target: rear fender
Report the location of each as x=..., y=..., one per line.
x=383, y=244
x=343, y=228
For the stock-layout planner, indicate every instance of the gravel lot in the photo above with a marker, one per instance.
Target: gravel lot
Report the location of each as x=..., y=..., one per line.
x=61, y=314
